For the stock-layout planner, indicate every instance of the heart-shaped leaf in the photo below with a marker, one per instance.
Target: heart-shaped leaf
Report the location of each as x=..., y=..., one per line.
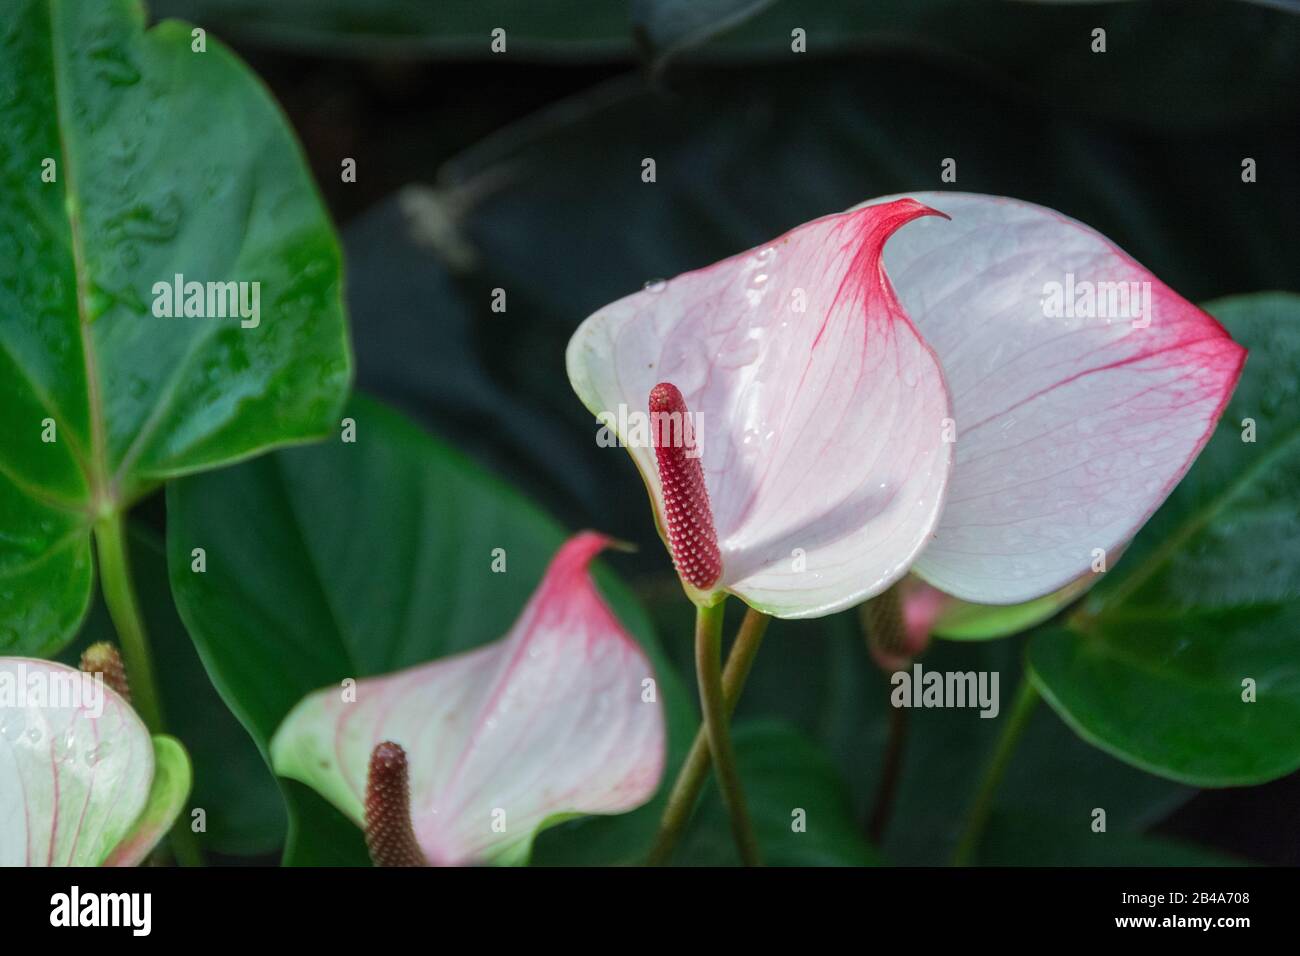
x=1182, y=660
x=137, y=163
x=348, y=560
x=79, y=780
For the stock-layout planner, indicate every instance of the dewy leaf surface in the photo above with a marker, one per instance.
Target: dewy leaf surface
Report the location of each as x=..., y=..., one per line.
x=75, y=766
x=1075, y=416
x=130, y=159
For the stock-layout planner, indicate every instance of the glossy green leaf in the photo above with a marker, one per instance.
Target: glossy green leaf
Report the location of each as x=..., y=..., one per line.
x=347, y=560
x=1159, y=665
x=131, y=159
x=168, y=791
x=243, y=812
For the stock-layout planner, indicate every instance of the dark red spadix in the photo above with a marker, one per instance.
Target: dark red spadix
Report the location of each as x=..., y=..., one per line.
x=691, y=535
x=390, y=837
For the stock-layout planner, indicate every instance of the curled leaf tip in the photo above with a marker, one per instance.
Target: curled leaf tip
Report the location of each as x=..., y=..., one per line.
x=103, y=658
x=691, y=534
x=390, y=836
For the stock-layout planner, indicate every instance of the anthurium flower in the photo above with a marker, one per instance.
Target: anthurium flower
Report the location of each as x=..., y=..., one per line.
x=464, y=759
x=1081, y=389
x=819, y=412
x=81, y=781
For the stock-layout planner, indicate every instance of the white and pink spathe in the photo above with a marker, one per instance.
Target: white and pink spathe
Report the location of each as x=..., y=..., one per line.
x=553, y=720
x=889, y=388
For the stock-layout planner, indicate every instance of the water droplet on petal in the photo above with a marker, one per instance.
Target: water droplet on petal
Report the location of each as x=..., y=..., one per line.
x=12, y=726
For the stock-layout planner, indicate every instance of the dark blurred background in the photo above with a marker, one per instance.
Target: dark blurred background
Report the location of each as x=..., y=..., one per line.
x=521, y=170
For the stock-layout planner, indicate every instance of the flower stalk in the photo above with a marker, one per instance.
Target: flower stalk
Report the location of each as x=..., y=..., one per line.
x=708, y=666
x=695, y=769
x=892, y=648
x=977, y=821
x=124, y=609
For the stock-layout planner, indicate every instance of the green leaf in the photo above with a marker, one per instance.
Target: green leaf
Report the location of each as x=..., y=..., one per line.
x=799, y=803
x=665, y=27
x=172, y=776
x=1018, y=839
x=549, y=30
x=817, y=675
x=131, y=159
x=319, y=835
x=232, y=785
x=1042, y=52
x=1156, y=666
x=351, y=560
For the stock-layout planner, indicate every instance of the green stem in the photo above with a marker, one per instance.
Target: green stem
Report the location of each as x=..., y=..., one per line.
x=708, y=669
x=124, y=609
x=1021, y=710
x=695, y=769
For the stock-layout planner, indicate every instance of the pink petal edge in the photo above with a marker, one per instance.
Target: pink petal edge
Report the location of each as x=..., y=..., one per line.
x=1070, y=431
x=546, y=722
x=822, y=430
